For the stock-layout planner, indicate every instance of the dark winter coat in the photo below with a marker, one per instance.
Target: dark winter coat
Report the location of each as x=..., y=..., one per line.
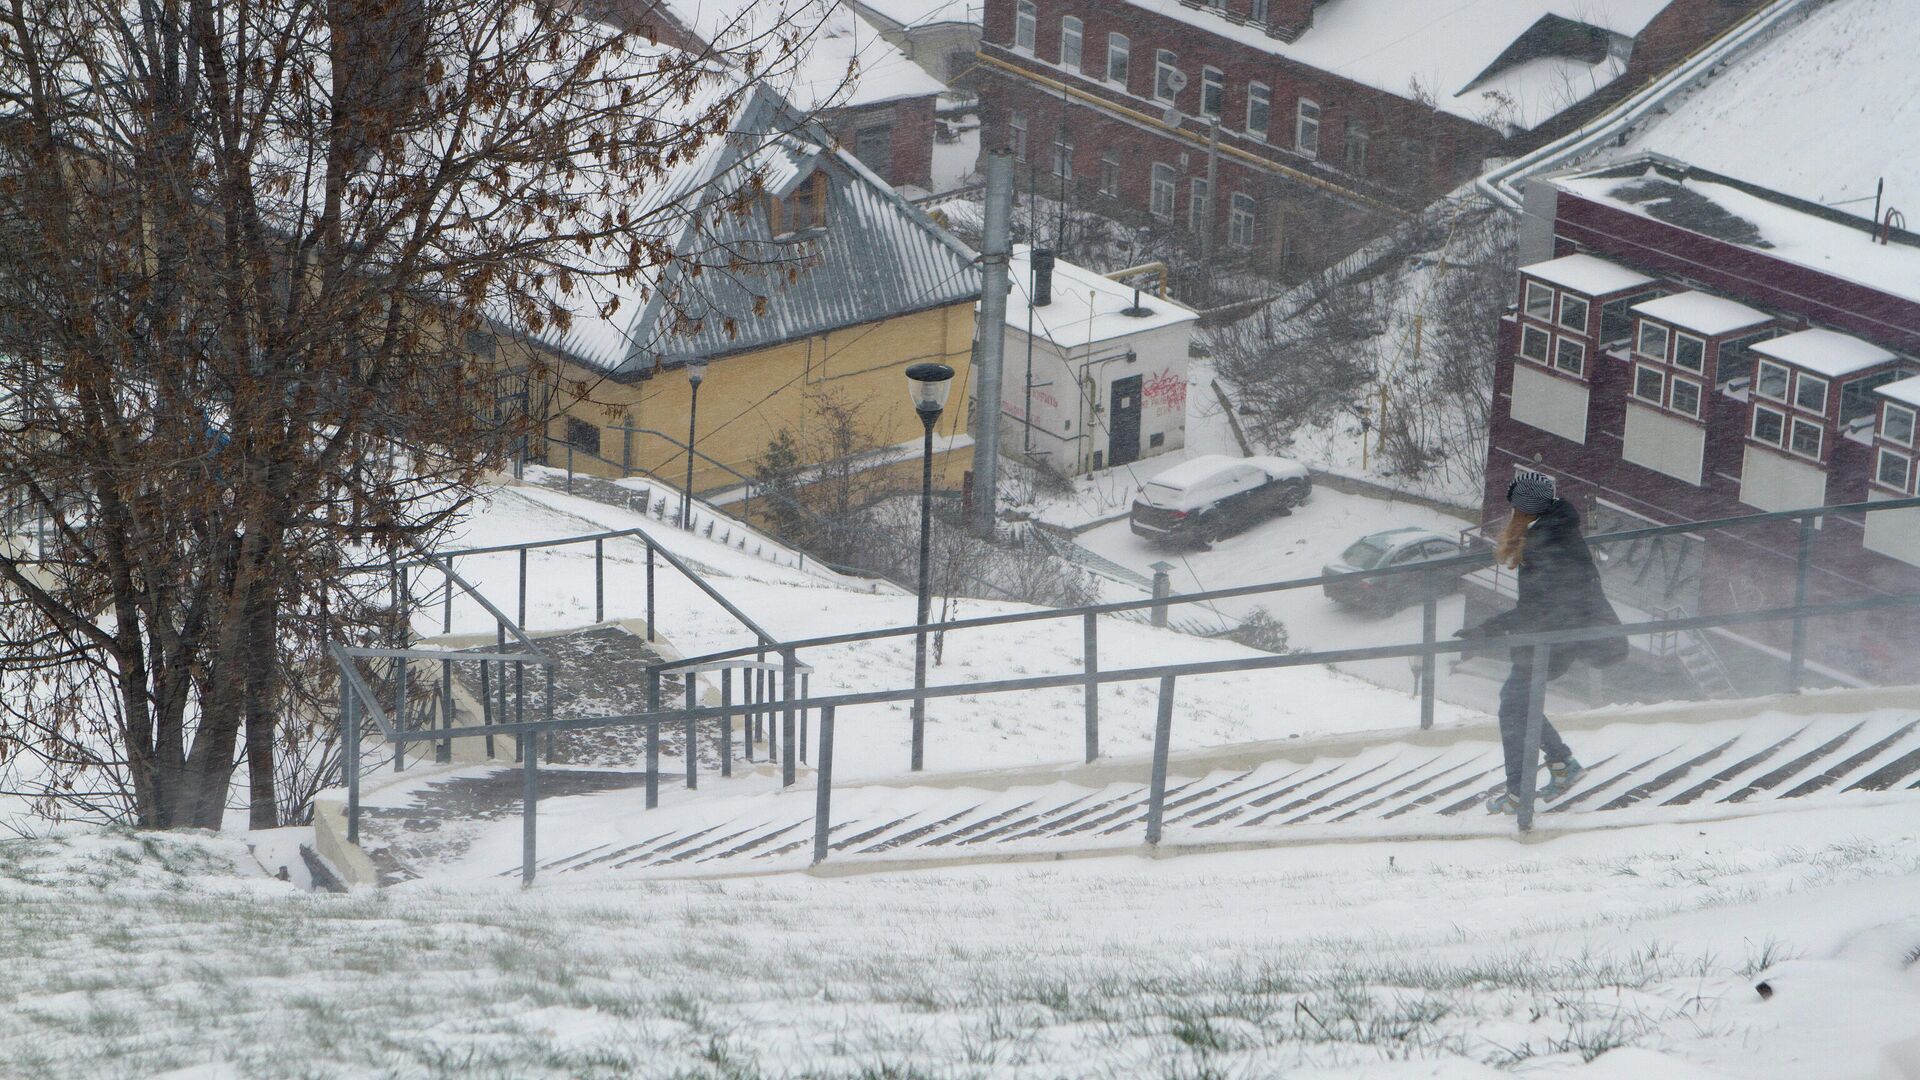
x=1560, y=590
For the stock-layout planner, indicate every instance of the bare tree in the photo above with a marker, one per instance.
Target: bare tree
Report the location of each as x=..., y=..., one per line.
x=242, y=248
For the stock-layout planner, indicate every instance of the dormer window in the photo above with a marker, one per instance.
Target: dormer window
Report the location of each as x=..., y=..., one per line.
x=1653, y=340
x=1897, y=425
x=1573, y=313
x=801, y=210
x=1771, y=382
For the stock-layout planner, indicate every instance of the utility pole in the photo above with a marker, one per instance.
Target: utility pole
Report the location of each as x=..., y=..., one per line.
x=995, y=247
x=1213, y=178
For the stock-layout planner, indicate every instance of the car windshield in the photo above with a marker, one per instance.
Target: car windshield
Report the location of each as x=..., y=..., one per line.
x=1364, y=554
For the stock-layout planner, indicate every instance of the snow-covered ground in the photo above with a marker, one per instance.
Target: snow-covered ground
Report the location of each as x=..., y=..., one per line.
x=1631, y=954
x=1001, y=731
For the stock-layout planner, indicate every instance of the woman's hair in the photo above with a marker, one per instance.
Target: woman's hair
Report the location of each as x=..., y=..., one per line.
x=1512, y=544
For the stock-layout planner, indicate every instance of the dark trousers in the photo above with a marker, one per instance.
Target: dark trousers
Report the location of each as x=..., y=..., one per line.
x=1513, y=713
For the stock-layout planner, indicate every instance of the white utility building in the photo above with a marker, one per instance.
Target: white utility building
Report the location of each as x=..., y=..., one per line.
x=1095, y=373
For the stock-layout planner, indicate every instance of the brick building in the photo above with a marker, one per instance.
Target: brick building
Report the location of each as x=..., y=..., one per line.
x=883, y=112
x=1333, y=116
x=1694, y=346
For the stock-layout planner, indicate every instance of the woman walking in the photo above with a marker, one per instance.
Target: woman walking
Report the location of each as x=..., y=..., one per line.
x=1559, y=590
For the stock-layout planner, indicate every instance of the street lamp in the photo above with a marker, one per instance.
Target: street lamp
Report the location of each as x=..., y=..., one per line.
x=696, y=374
x=928, y=384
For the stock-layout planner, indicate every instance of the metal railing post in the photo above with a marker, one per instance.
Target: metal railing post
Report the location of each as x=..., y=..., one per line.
x=1429, y=630
x=599, y=580
x=1090, y=693
x=786, y=718
x=1162, y=739
x=523, y=589
x=399, y=710
x=823, y=788
x=444, y=754
x=692, y=747
x=726, y=722
x=486, y=702
x=649, y=590
x=653, y=738
x=569, y=468
x=805, y=683
x=446, y=614
x=1797, y=659
x=529, y=802
x=1162, y=588
x=1530, y=745
x=746, y=715
x=350, y=720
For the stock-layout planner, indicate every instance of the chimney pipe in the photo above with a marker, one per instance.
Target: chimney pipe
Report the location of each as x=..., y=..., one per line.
x=1042, y=277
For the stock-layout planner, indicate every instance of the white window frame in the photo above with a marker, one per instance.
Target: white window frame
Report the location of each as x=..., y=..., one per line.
x=1673, y=396
x=1165, y=63
x=1641, y=371
x=1119, y=45
x=1640, y=340
x=1197, y=198
x=1026, y=25
x=1063, y=156
x=1213, y=84
x=1800, y=384
x=1819, y=437
x=1545, y=337
x=1679, y=337
x=1359, y=141
x=1753, y=426
x=1586, y=313
x=1109, y=177
x=1162, y=181
x=1257, y=12
x=1242, y=220
x=1017, y=127
x=1306, y=127
x=1886, y=428
x=1561, y=345
x=1526, y=306
x=1760, y=378
x=1260, y=94
x=1906, y=470
x=1075, y=31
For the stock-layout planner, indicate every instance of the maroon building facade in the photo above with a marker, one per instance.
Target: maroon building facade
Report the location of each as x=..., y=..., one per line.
x=1691, y=350
x=1112, y=101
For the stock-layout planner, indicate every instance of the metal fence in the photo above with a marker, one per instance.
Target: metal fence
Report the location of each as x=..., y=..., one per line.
x=779, y=695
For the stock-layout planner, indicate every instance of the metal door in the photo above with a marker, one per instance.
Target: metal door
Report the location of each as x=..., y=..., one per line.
x=1123, y=422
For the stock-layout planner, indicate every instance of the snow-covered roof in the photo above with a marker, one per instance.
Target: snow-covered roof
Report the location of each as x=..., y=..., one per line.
x=1587, y=274
x=1828, y=242
x=913, y=14
x=1443, y=49
x=1906, y=391
x=843, y=62
x=1824, y=352
x=1794, y=113
x=878, y=255
x=1087, y=307
x=1702, y=312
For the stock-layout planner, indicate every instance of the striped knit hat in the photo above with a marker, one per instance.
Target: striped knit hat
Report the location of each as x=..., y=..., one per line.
x=1532, y=492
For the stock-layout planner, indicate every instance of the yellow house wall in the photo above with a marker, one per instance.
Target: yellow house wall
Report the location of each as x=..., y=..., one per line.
x=748, y=398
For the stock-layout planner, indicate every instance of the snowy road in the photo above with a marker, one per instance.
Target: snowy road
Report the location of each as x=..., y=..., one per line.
x=1298, y=546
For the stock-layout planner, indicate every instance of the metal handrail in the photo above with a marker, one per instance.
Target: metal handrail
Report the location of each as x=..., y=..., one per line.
x=1465, y=560
x=1440, y=647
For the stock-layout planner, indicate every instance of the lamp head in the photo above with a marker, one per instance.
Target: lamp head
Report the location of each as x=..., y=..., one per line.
x=696, y=371
x=928, y=383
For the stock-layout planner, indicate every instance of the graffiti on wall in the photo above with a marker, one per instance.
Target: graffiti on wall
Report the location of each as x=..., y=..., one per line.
x=1166, y=391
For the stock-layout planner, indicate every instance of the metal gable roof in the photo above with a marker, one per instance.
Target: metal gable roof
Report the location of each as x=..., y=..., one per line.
x=877, y=257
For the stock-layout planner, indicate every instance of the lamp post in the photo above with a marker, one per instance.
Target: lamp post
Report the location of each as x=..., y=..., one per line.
x=928, y=383
x=696, y=374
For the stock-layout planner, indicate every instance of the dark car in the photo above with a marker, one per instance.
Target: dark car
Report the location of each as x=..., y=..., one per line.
x=1391, y=592
x=1206, y=498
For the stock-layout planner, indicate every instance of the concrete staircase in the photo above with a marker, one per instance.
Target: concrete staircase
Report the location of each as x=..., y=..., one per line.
x=1424, y=785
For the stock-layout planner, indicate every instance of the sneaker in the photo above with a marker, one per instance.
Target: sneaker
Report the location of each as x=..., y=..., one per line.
x=1561, y=775
x=1503, y=803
